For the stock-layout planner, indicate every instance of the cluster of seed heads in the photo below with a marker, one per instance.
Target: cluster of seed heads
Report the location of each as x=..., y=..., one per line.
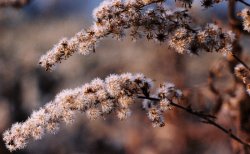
x=99, y=98
x=114, y=18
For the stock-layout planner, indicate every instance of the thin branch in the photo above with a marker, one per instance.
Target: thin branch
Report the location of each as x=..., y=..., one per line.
x=243, y=2
x=240, y=61
x=206, y=119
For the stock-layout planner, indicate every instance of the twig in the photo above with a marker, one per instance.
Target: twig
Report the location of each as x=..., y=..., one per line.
x=206, y=119
x=240, y=61
x=243, y=2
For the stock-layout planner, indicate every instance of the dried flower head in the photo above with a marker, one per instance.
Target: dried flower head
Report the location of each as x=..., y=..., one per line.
x=244, y=74
x=245, y=14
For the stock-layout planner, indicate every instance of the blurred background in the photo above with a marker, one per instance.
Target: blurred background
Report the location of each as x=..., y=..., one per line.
x=27, y=33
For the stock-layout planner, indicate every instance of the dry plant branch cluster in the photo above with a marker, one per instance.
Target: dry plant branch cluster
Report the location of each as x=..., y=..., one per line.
x=159, y=23
x=96, y=99
x=150, y=19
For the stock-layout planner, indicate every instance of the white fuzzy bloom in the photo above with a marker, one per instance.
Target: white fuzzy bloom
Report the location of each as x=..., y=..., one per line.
x=113, y=84
x=93, y=113
x=52, y=127
x=244, y=74
x=181, y=41
x=104, y=5
x=231, y=36
x=168, y=91
x=17, y=136
x=245, y=14
x=155, y=115
x=123, y=113
x=107, y=106
x=164, y=104
x=125, y=101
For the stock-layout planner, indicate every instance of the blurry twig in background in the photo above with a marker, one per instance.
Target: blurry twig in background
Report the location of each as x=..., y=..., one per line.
x=14, y=3
x=208, y=119
x=241, y=119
